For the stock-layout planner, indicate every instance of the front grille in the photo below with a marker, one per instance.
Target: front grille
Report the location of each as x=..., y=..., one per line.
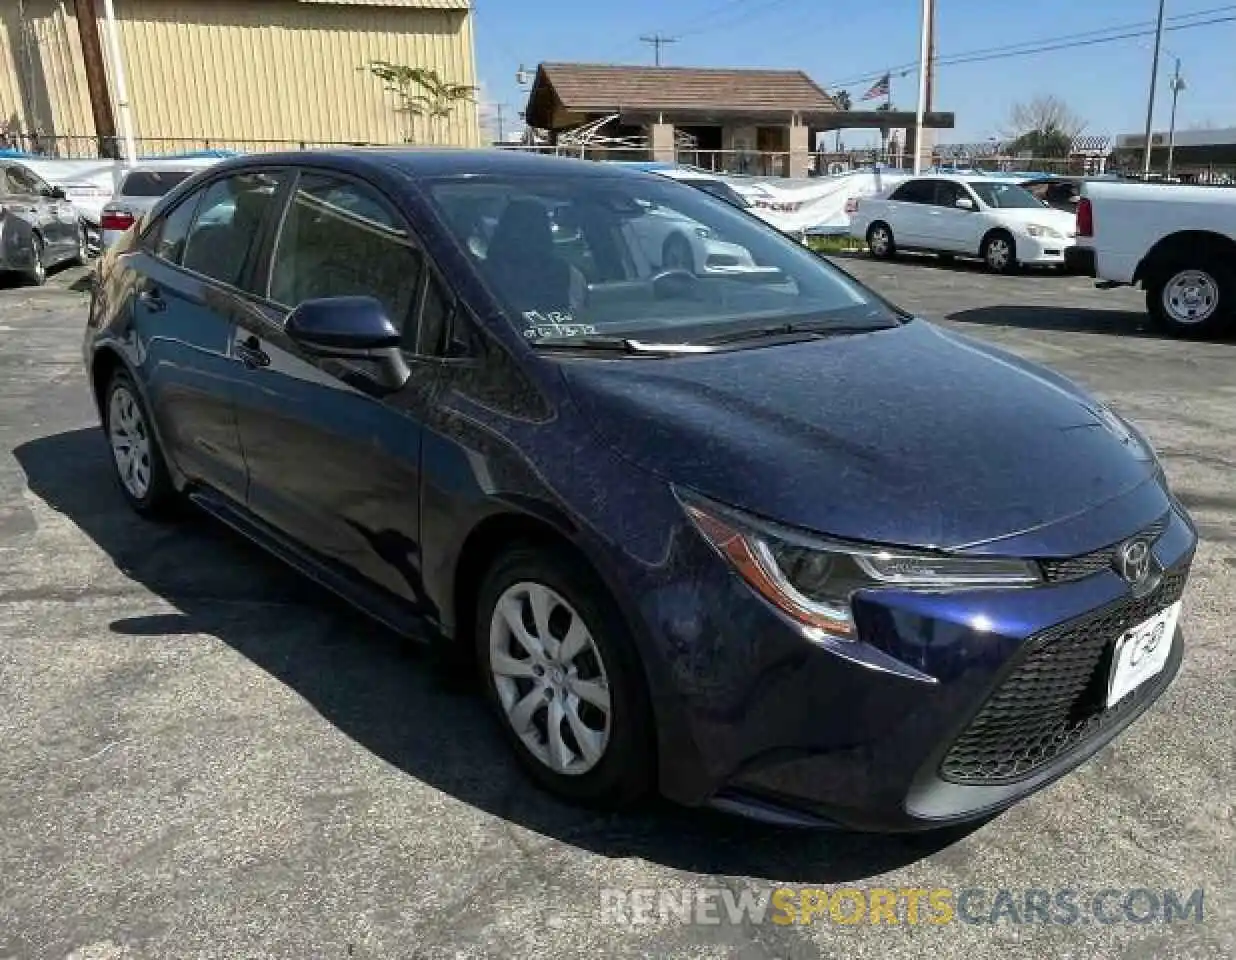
x=1054, y=698
x=1078, y=568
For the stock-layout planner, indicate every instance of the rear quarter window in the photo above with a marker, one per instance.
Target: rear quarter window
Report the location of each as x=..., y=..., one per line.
x=151, y=183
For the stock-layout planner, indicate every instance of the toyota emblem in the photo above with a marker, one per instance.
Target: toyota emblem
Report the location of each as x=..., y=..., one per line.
x=1133, y=561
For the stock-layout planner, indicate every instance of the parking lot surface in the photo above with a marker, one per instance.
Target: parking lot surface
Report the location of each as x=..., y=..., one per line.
x=201, y=756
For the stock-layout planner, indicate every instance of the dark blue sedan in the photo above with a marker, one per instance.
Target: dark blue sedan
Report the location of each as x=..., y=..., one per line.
x=741, y=532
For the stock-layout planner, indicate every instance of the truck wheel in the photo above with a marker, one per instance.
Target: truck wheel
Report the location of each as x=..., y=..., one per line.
x=1192, y=300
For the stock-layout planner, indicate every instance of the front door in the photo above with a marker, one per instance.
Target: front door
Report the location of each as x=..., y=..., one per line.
x=954, y=228
x=334, y=462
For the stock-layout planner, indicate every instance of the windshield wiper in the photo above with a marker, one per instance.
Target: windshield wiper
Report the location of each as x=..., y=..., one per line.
x=614, y=344
x=793, y=330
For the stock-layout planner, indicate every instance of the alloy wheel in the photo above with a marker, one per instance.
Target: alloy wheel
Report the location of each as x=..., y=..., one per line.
x=999, y=254
x=550, y=678
x=130, y=440
x=1191, y=296
x=38, y=269
x=879, y=241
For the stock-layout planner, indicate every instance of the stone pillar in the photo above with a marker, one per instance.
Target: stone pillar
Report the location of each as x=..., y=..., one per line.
x=800, y=149
x=664, y=149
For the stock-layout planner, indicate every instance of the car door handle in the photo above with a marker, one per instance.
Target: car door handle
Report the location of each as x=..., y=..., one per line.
x=251, y=353
x=152, y=300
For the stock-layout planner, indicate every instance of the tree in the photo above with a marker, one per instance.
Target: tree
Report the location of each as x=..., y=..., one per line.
x=422, y=94
x=1044, y=127
x=843, y=100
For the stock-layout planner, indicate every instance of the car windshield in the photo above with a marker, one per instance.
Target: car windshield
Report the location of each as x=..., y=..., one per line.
x=641, y=257
x=151, y=183
x=1005, y=196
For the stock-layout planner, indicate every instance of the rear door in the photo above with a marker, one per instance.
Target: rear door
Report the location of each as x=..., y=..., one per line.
x=190, y=284
x=907, y=212
x=334, y=462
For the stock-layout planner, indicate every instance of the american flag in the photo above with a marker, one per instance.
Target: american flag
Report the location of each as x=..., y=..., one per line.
x=879, y=89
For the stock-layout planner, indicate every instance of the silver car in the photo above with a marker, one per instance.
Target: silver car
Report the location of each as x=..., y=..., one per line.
x=39, y=227
x=140, y=189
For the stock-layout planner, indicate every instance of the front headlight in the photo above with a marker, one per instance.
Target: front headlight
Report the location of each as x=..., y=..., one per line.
x=1038, y=230
x=811, y=580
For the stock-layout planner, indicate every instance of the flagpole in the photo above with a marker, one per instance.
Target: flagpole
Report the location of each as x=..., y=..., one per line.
x=924, y=54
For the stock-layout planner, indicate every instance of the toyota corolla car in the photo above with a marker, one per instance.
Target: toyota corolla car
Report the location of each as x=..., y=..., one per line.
x=761, y=541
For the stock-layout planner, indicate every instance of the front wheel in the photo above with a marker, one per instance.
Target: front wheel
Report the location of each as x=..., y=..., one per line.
x=561, y=673
x=36, y=273
x=1000, y=253
x=82, y=257
x=1192, y=300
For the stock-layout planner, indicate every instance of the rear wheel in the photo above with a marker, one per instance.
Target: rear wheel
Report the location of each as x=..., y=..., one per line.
x=563, y=677
x=1000, y=252
x=138, y=461
x=880, y=241
x=1192, y=299
x=83, y=246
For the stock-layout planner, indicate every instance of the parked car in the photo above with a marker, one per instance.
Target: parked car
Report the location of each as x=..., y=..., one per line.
x=88, y=184
x=765, y=543
x=709, y=184
x=39, y=227
x=140, y=187
x=1177, y=242
x=995, y=220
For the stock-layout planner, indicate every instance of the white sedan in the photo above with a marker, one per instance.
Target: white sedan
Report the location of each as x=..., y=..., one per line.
x=996, y=220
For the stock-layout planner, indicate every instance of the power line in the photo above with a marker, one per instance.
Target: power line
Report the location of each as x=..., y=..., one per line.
x=657, y=41
x=1046, y=45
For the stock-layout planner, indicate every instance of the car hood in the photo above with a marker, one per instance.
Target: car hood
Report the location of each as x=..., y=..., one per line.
x=1065, y=223
x=910, y=435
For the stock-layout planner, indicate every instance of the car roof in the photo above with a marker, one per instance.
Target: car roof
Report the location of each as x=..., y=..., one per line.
x=431, y=162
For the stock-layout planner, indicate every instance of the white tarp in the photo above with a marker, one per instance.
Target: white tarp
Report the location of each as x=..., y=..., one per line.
x=816, y=205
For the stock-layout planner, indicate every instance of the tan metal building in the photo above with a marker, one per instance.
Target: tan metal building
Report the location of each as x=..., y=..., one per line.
x=242, y=74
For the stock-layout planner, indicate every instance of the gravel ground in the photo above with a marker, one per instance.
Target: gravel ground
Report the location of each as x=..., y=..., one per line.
x=202, y=757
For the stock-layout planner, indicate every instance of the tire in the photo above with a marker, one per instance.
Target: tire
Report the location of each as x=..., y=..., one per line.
x=676, y=254
x=141, y=474
x=1194, y=299
x=36, y=275
x=82, y=257
x=999, y=252
x=880, y=241
x=529, y=687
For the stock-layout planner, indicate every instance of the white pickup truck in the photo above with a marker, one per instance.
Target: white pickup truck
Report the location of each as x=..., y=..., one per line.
x=1178, y=242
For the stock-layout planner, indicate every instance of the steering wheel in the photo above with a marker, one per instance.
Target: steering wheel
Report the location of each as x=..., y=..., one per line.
x=674, y=282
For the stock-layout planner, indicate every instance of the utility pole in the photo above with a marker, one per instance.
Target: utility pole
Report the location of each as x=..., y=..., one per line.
x=498, y=118
x=122, y=91
x=1178, y=84
x=96, y=79
x=657, y=41
x=1154, y=82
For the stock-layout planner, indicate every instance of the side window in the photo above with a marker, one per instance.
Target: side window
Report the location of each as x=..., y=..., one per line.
x=342, y=239
x=914, y=191
x=229, y=219
x=948, y=193
x=23, y=181
x=167, y=239
x=435, y=336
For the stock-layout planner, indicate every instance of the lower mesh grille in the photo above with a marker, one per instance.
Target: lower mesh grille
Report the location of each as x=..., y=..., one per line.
x=1054, y=698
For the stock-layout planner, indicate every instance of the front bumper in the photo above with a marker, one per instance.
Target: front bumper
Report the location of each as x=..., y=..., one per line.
x=1043, y=251
x=881, y=734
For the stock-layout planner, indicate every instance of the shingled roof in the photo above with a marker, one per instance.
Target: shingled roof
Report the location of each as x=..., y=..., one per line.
x=600, y=88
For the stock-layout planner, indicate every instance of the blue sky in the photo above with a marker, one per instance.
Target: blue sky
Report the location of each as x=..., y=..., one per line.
x=840, y=40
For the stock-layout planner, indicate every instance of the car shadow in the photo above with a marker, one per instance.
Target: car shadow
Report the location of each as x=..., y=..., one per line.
x=1123, y=323
x=394, y=698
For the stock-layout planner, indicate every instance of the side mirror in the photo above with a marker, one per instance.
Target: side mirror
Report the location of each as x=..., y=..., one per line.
x=963, y=203
x=350, y=328
x=55, y=193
